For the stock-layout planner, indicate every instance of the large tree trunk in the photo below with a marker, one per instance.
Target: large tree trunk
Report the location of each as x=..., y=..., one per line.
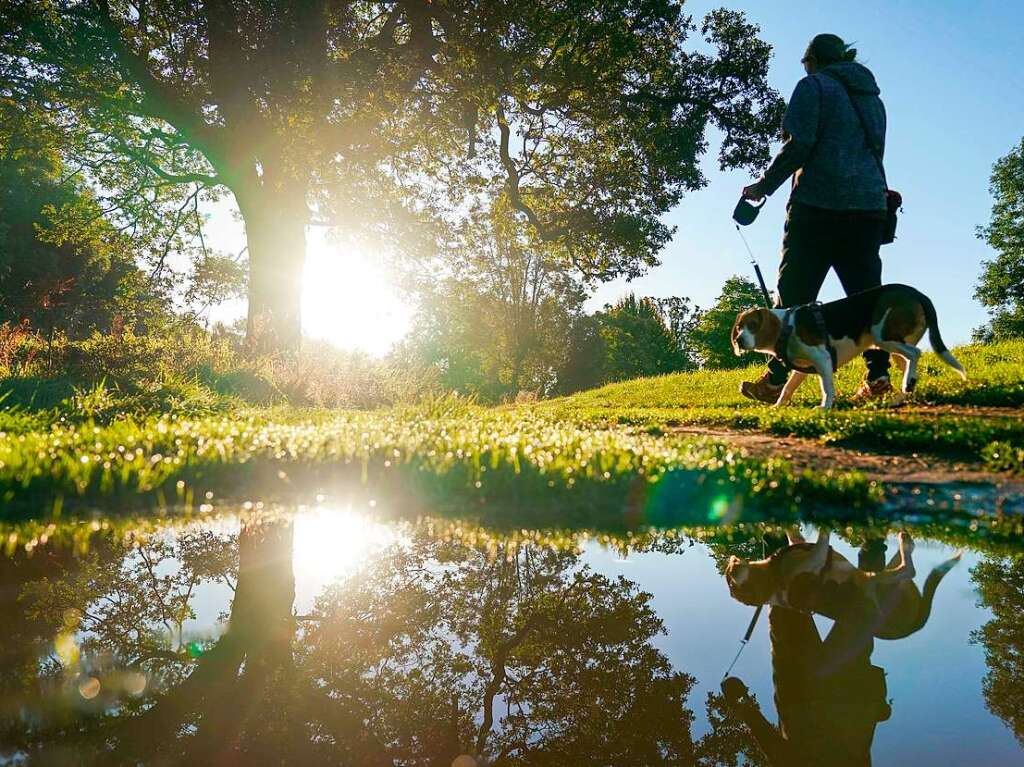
x=275, y=230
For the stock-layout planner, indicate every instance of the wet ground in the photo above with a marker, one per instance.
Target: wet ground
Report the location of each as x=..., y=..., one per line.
x=341, y=635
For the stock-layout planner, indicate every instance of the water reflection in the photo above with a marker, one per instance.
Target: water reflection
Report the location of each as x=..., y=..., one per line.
x=1000, y=584
x=828, y=695
x=216, y=644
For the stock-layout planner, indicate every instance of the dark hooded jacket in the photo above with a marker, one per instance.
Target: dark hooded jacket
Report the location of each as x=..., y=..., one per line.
x=826, y=149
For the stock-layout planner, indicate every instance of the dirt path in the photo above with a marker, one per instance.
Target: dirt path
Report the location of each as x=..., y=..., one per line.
x=911, y=480
x=967, y=411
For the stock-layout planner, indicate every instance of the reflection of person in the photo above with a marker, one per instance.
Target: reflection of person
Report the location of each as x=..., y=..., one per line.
x=837, y=207
x=828, y=695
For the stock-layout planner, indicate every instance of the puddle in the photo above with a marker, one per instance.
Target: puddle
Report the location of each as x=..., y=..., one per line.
x=335, y=636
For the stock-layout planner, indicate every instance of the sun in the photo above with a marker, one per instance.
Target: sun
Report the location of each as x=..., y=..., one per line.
x=331, y=542
x=348, y=299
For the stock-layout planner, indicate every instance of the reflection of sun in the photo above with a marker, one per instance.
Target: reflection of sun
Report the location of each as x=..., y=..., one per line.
x=330, y=543
x=348, y=300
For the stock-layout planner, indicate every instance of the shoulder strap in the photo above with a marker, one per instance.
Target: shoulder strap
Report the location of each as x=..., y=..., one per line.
x=872, y=147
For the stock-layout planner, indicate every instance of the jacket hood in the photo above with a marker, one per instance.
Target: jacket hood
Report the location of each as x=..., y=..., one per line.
x=856, y=77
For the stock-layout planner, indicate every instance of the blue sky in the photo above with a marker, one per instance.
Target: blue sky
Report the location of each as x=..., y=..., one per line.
x=953, y=86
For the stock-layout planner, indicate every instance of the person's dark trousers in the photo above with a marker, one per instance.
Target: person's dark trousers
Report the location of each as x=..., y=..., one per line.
x=818, y=239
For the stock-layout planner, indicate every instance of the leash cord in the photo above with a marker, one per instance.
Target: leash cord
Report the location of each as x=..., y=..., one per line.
x=744, y=641
x=757, y=268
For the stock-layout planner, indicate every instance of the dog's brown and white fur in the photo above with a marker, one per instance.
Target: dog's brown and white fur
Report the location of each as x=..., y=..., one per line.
x=891, y=317
x=900, y=608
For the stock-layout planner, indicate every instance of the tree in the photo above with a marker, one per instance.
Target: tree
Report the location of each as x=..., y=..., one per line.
x=711, y=337
x=637, y=342
x=495, y=315
x=378, y=116
x=635, y=337
x=1001, y=286
x=62, y=264
x=584, y=366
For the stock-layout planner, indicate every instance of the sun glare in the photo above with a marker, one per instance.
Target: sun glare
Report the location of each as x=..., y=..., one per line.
x=332, y=542
x=348, y=299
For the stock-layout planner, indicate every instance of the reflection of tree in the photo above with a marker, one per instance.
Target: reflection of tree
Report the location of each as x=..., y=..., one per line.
x=729, y=741
x=108, y=631
x=26, y=637
x=517, y=656
x=136, y=598
x=1000, y=585
x=231, y=702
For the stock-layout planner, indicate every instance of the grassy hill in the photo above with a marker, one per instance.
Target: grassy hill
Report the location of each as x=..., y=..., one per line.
x=979, y=418
x=996, y=378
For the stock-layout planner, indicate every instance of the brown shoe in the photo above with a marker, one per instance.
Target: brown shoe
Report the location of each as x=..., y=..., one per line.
x=875, y=389
x=762, y=390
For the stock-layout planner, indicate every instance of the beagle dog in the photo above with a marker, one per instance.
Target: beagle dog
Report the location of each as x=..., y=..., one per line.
x=890, y=317
x=814, y=577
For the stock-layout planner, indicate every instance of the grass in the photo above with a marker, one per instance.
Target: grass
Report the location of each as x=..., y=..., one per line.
x=712, y=398
x=610, y=454
x=446, y=452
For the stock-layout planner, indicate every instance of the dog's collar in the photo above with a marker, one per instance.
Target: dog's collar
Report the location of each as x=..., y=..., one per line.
x=789, y=325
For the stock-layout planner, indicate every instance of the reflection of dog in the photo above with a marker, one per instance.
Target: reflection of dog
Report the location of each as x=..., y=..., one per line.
x=890, y=317
x=813, y=577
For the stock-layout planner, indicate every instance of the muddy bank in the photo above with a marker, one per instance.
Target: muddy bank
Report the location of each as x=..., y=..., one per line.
x=911, y=480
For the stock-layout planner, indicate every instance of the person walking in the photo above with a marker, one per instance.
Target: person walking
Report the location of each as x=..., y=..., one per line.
x=836, y=215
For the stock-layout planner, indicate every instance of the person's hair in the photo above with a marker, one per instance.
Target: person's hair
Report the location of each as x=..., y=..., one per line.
x=830, y=49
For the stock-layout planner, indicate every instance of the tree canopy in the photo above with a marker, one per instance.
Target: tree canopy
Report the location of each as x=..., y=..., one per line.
x=1001, y=286
x=388, y=117
x=711, y=338
x=62, y=264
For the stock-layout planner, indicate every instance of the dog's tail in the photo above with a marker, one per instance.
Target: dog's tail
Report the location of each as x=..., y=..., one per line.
x=935, y=338
x=931, y=584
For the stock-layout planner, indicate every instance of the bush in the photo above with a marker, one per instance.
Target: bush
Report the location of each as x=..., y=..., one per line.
x=185, y=370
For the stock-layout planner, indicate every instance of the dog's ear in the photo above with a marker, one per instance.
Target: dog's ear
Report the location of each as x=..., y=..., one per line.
x=736, y=325
x=755, y=320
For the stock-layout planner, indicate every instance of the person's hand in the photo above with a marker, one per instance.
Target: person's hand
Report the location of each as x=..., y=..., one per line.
x=734, y=690
x=754, y=192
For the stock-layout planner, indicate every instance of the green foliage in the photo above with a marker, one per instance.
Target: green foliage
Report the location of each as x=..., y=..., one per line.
x=495, y=314
x=584, y=366
x=590, y=128
x=637, y=341
x=1001, y=284
x=188, y=371
x=711, y=338
x=1001, y=287
x=635, y=337
x=62, y=264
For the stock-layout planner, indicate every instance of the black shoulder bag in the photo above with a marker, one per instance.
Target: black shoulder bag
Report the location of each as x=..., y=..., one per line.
x=893, y=199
